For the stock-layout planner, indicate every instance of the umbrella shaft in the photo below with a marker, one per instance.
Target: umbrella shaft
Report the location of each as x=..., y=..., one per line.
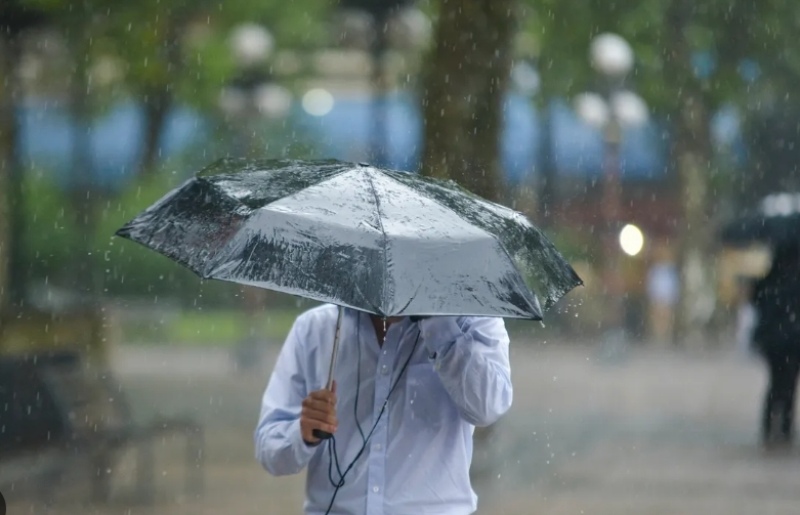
x=335, y=351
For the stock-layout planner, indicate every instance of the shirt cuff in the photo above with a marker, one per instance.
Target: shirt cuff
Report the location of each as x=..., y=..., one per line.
x=302, y=451
x=439, y=333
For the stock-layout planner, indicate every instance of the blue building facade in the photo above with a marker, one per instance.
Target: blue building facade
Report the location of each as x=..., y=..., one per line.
x=116, y=139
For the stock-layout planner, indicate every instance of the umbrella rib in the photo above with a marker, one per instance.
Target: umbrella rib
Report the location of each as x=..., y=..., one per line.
x=549, y=298
x=513, y=264
x=385, y=239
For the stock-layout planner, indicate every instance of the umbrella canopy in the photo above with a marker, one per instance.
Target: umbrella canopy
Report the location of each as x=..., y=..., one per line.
x=775, y=222
x=386, y=242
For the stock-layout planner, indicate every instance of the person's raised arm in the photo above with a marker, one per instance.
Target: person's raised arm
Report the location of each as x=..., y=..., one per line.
x=471, y=357
x=289, y=413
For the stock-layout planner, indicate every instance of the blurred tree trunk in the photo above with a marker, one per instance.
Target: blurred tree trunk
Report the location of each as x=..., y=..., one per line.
x=12, y=223
x=83, y=191
x=692, y=152
x=464, y=89
x=6, y=146
x=158, y=101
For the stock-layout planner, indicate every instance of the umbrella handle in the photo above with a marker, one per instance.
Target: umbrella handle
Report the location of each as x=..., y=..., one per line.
x=324, y=435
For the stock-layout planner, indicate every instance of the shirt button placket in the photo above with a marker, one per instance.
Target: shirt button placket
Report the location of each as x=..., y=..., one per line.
x=377, y=453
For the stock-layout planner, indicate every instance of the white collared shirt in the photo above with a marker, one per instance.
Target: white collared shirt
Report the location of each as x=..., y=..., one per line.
x=418, y=458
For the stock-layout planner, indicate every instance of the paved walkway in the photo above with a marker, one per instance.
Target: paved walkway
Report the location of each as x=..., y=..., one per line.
x=648, y=432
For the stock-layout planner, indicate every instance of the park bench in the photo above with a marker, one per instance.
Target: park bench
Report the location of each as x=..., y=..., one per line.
x=58, y=416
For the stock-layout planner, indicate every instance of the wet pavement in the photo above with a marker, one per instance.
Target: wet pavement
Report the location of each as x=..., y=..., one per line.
x=648, y=431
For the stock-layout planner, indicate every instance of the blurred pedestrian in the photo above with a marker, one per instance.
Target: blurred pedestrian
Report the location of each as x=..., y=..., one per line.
x=405, y=403
x=746, y=316
x=776, y=299
x=663, y=290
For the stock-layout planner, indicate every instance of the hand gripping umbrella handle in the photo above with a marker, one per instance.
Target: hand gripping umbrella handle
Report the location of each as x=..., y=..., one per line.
x=318, y=433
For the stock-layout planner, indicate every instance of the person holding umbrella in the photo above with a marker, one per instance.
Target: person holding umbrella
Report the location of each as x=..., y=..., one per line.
x=776, y=299
x=415, y=277
x=775, y=222
x=402, y=412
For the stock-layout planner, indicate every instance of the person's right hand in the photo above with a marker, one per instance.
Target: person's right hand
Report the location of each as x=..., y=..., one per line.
x=319, y=412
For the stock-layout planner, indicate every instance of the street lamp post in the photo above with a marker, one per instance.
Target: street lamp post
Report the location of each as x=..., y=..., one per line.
x=381, y=12
x=252, y=95
x=612, y=110
x=249, y=99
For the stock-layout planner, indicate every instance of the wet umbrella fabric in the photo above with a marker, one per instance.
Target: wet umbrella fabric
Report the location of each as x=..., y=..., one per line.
x=386, y=242
x=775, y=222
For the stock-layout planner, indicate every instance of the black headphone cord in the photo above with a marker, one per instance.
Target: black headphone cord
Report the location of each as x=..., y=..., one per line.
x=332, y=454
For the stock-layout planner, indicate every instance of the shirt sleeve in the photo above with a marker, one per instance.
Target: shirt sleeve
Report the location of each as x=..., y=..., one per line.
x=471, y=357
x=279, y=443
